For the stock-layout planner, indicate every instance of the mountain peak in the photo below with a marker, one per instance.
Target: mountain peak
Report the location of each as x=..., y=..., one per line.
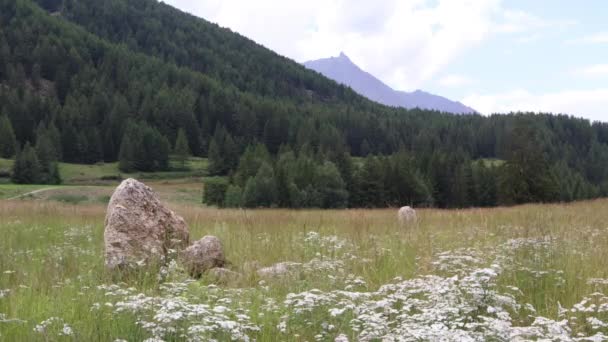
x=342, y=70
x=343, y=57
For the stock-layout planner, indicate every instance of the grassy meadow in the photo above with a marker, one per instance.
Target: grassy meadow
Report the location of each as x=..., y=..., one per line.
x=524, y=273
x=106, y=173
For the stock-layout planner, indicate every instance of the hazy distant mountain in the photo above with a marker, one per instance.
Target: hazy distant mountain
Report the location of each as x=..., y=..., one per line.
x=342, y=70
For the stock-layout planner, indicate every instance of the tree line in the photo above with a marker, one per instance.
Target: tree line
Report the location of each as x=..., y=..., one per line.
x=308, y=179
x=111, y=88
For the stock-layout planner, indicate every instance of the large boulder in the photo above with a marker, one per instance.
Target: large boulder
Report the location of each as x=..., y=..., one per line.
x=139, y=229
x=203, y=255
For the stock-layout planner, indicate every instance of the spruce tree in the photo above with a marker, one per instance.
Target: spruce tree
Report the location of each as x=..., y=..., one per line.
x=250, y=163
x=527, y=175
x=8, y=142
x=47, y=157
x=126, y=156
x=26, y=169
x=94, y=146
x=261, y=190
x=223, y=153
x=181, y=149
x=55, y=137
x=330, y=186
x=216, y=159
x=69, y=144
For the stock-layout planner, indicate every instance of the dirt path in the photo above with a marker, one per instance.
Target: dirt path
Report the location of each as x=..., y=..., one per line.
x=31, y=193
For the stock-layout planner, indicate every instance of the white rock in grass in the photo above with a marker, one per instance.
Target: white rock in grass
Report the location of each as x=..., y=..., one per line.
x=250, y=267
x=224, y=275
x=203, y=255
x=406, y=215
x=139, y=229
x=279, y=270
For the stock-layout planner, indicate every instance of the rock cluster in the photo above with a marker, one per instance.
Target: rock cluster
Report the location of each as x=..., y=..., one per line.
x=140, y=230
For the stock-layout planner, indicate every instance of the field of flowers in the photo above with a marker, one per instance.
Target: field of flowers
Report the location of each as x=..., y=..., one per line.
x=536, y=272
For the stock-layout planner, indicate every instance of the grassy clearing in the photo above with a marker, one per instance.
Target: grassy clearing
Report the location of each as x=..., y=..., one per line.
x=491, y=274
x=104, y=173
x=15, y=190
x=179, y=191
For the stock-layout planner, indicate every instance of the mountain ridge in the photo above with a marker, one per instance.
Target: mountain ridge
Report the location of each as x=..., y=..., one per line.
x=343, y=70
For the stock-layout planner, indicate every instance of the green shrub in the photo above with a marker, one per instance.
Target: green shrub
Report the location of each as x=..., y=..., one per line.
x=214, y=191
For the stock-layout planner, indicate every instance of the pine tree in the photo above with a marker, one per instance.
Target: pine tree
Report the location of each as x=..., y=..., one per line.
x=143, y=148
x=94, y=146
x=181, y=149
x=126, y=156
x=368, y=189
x=216, y=159
x=36, y=76
x=330, y=186
x=231, y=154
x=47, y=157
x=288, y=191
x=527, y=176
x=69, y=143
x=8, y=141
x=261, y=190
x=55, y=139
x=223, y=153
x=250, y=163
x=26, y=169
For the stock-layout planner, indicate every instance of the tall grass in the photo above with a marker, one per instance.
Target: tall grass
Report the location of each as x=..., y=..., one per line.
x=51, y=263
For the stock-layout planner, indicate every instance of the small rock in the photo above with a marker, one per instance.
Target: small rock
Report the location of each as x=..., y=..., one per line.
x=279, y=270
x=203, y=255
x=406, y=215
x=251, y=266
x=224, y=275
x=139, y=229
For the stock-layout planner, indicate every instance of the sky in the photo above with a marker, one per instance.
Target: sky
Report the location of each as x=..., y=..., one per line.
x=494, y=56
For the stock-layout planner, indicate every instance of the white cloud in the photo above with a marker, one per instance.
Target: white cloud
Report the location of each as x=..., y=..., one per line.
x=454, y=80
x=526, y=39
x=403, y=42
x=592, y=70
x=591, y=103
x=596, y=38
x=517, y=21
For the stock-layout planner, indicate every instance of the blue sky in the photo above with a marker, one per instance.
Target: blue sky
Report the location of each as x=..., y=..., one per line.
x=493, y=55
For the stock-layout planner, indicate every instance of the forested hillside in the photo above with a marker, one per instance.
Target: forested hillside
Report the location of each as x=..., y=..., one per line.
x=105, y=80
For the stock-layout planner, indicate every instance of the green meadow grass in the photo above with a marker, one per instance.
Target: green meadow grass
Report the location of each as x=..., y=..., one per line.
x=14, y=190
x=100, y=173
x=51, y=264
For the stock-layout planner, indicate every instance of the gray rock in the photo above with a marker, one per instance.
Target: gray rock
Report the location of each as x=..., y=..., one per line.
x=203, y=255
x=407, y=215
x=223, y=275
x=250, y=267
x=280, y=270
x=139, y=229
